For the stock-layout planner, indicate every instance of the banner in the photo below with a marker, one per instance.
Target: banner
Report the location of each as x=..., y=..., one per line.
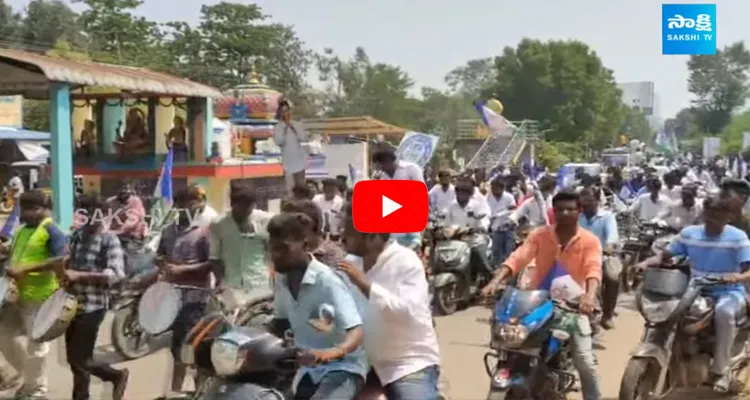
x=11, y=111
x=315, y=167
x=417, y=148
x=711, y=147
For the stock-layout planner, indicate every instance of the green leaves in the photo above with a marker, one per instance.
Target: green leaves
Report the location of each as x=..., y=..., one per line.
x=720, y=84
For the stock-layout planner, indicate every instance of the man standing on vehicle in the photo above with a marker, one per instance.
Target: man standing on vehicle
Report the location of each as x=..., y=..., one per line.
x=603, y=224
x=563, y=248
x=716, y=249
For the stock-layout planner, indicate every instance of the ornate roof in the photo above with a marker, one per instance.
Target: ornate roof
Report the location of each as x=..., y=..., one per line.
x=251, y=101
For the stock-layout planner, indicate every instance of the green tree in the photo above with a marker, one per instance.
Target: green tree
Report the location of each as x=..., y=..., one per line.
x=45, y=22
x=232, y=39
x=564, y=85
x=720, y=84
x=357, y=86
x=9, y=23
x=471, y=79
x=636, y=125
x=117, y=35
x=683, y=124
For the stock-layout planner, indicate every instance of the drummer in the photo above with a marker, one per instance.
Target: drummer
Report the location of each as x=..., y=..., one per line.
x=96, y=261
x=38, y=243
x=183, y=258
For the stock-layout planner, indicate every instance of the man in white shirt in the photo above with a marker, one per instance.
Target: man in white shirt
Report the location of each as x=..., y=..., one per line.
x=672, y=188
x=535, y=208
x=468, y=214
x=442, y=194
x=289, y=135
x=685, y=212
x=16, y=184
x=500, y=203
x=387, y=166
x=330, y=204
x=400, y=340
x=649, y=205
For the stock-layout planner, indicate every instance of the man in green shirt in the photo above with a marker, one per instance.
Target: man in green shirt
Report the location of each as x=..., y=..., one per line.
x=38, y=248
x=238, y=242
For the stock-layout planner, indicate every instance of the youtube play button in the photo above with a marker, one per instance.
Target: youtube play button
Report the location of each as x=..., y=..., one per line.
x=390, y=206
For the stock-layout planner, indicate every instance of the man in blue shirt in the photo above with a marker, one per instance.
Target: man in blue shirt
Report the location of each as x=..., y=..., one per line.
x=315, y=303
x=716, y=248
x=603, y=224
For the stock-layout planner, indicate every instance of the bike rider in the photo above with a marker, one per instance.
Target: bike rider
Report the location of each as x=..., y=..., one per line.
x=579, y=253
x=716, y=248
x=649, y=205
x=467, y=213
x=736, y=192
x=683, y=213
x=603, y=224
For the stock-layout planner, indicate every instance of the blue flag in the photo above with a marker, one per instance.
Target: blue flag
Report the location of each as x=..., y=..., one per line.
x=11, y=222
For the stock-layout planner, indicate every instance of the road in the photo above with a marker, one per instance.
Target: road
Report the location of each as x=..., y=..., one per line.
x=463, y=341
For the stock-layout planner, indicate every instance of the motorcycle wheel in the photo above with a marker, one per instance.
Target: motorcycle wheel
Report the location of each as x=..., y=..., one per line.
x=639, y=380
x=127, y=336
x=446, y=300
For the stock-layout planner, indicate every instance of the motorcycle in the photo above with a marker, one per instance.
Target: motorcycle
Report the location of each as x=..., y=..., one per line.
x=677, y=343
x=458, y=275
x=530, y=342
x=638, y=246
x=251, y=363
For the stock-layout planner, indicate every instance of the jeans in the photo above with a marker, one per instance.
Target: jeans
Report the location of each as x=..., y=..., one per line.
x=189, y=315
x=585, y=363
x=728, y=307
x=23, y=354
x=339, y=385
x=422, y=385
x=610, y=293
x=80, y=339
x=502, y=245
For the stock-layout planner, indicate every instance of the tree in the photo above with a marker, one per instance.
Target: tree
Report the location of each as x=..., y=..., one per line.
x=472, y=78
x=636, y=125
x=9, y=23
x=48, y=21
x=562, y=84
x=720, y=84
x=231, y=40
x=358, y=86
x=116, y=35
x=683, y=124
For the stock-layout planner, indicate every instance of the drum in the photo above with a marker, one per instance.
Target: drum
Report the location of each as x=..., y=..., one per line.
x=158, y=307
x=54, y=316
x=8, y=291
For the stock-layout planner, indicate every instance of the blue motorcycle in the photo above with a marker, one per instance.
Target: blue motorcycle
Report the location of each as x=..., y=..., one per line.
x=530, y=356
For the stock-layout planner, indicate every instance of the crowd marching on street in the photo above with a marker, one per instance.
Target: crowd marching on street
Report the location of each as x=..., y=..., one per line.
x=362, y=304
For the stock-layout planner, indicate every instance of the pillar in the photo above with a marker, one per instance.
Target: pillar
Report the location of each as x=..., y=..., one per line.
x=208, y=126
x=61, y=154
x=200, y=116
x=164, y=120
x=113, y=115
x=79, y=116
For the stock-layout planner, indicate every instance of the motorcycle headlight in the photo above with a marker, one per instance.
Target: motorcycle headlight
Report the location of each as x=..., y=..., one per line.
x=511, y=335
x=700, y=307
x=226, y=357
x=658, y=311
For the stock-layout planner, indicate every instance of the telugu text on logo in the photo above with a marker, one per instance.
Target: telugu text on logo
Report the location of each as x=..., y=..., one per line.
x=702, y=23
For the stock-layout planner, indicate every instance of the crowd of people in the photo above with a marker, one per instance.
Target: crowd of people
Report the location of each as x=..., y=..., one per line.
x=381, y=329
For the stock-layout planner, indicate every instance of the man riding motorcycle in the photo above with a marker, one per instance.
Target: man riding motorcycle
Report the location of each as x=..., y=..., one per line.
x=684, y=213
x=563, y=248
x=716, y=248
x=467, y=214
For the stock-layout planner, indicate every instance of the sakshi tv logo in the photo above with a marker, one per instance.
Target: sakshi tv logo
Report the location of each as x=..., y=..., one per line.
x=688, y=29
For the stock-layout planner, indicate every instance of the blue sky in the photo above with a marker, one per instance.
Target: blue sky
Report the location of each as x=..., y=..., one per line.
x=429, y=38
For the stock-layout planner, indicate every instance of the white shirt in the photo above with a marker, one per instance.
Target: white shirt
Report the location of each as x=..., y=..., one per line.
x=331, y=210
x=397, y=320
x=458, y=215
x=534, y=209
x=674, y=194
x=646, y=209
x=499, y=206
x=293, y=155
x=678, y=216
x=482, y=201
x=206, y=217
x=440, y=198
x=405, y=171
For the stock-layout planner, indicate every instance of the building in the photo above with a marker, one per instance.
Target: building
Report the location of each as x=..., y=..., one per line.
x=642, y=97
